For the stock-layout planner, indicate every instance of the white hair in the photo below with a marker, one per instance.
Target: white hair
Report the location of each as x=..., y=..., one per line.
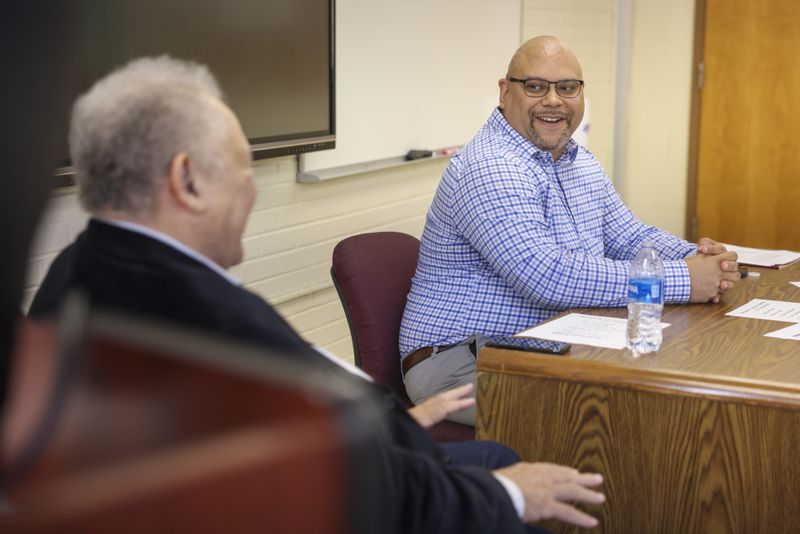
x=126, y=130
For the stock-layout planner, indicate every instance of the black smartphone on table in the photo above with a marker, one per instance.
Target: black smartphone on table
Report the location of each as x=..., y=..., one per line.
x=530, y=344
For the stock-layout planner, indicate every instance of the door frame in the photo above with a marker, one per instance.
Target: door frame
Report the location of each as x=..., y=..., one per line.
x=694, y=121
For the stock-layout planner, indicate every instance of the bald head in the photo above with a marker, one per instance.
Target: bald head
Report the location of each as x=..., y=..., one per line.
x=542, y=47
x=546, y=119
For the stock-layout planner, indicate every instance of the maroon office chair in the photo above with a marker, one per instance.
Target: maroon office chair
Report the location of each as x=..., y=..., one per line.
x=372, y=274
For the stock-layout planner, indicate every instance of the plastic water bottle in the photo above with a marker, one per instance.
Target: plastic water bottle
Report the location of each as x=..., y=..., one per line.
x=645, y=301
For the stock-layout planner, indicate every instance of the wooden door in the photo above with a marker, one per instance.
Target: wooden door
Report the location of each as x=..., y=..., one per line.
x=748, y=158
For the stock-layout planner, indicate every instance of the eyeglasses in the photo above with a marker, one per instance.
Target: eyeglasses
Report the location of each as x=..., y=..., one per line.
x=538, y=87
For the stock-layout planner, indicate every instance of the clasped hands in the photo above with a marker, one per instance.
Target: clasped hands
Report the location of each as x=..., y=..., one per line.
x=712, y=271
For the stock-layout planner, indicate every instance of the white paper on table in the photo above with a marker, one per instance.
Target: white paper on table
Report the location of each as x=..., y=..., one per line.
x=795, y=284
x=763, y=258
x=771, y=310
x=790, y=332
x=582, y=329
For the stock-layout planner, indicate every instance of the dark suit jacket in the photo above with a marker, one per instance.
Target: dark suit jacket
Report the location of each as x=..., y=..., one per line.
x=128, y=271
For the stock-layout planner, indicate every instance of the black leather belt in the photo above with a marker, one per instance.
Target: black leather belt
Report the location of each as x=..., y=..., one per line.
x=420, y=355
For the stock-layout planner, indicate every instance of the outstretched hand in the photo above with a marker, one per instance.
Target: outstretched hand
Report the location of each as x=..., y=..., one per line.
x=436, y=408
x=549, y=489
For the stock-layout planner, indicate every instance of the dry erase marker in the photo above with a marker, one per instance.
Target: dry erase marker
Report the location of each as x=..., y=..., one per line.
x=449, y=151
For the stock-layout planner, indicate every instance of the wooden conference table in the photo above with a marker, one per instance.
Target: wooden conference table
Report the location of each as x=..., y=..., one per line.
x=703, y=436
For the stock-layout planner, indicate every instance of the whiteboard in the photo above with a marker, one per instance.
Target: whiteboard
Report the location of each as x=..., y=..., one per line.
x=415, y=74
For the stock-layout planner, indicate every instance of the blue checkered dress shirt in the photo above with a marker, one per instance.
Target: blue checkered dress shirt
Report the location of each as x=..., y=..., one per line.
x=513, y=238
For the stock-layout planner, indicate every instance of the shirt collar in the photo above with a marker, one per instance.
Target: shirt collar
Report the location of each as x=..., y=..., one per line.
x=499, y=122
x=173, y=243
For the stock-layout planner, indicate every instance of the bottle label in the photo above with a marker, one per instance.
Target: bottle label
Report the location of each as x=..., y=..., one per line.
x=646, y=290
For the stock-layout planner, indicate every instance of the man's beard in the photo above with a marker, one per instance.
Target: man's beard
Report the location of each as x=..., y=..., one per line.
x=550, y=146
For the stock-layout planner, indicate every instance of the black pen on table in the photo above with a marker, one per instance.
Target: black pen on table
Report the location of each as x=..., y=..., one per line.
x=743, y=272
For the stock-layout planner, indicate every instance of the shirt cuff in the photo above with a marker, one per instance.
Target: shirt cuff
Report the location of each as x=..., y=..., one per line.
x=514, y=493
x=679, y=285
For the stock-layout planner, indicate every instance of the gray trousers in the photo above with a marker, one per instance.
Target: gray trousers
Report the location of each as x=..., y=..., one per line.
x=443, y=371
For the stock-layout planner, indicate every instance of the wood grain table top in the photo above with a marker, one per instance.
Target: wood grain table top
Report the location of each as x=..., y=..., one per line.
x=703, y=350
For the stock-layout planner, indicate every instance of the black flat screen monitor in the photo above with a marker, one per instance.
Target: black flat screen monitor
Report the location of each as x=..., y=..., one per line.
x=273, y=58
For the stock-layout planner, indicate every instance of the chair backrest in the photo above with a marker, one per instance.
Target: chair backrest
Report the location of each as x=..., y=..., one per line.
x=372, y=273
x=161, y=429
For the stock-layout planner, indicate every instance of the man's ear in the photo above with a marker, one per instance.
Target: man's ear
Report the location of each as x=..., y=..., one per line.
x=502, y=83
x=184, y=184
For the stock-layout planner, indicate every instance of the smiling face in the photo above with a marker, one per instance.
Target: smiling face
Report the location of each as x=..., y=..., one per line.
x=547, y=121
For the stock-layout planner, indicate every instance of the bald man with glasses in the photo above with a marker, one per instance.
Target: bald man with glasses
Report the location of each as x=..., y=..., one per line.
x=526, y=223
